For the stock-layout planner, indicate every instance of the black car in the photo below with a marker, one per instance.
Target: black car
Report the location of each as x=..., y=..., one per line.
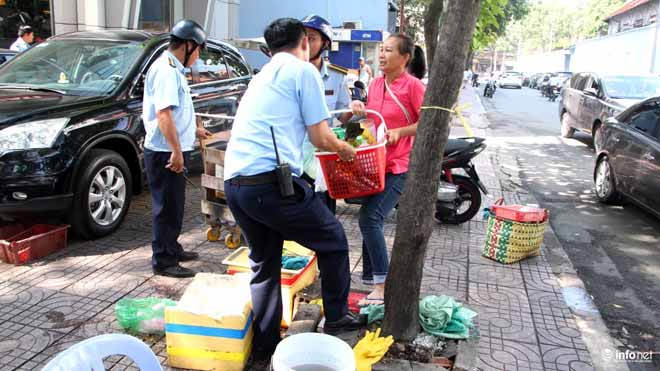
x=6, y=55
x=71, y=132
x=589, y=99
x=628, y=160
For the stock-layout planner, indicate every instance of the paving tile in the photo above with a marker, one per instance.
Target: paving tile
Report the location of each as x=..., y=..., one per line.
x=161, y=287
x=59, y=312
x=56, y=275
x=490, y=295
x=498, y=275
x=541, y=280
x=445, y=277
x=20, y=343
x=558, y=331
x=216, y=251
x=16, y=298
x=448, y=246
x=557, y=358
x=499, y=355
x=137, y=262
x=548, y=303
x=206, y=266
x=105, y=285
x=504, y=324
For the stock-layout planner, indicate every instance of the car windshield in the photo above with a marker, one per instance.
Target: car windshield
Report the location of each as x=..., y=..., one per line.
x=631, y=87
x=75, y=67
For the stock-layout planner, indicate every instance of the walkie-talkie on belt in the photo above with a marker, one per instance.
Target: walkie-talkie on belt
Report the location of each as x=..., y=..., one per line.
x=283, y=172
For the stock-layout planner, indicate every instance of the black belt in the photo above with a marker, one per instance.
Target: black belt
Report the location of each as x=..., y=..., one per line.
x=259, y=179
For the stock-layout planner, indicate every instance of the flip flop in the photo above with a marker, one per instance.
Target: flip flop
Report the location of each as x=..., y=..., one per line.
x=367, y=301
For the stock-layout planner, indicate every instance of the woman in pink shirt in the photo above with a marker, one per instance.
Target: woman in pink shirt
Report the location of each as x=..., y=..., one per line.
x=398, y=96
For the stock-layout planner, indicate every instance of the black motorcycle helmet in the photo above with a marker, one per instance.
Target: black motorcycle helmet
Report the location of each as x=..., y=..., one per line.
x=24, y=30
x=189, y=30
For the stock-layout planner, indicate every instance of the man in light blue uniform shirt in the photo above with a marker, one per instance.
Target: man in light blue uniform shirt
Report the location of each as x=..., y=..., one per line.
x=170, y=125
x=288, y=96
x=25, y=38
x=319, y=32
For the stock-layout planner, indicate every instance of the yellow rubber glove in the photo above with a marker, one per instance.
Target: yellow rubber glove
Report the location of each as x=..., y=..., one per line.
x=371, y=349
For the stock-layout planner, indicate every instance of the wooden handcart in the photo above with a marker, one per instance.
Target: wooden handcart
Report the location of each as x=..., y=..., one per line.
x=214, y=203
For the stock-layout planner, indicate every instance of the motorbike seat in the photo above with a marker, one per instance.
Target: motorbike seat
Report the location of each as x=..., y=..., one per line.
x=461, y=144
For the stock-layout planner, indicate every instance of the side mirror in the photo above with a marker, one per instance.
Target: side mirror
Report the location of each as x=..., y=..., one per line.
x=591, y=92
x=360, y=85
x=255, y=71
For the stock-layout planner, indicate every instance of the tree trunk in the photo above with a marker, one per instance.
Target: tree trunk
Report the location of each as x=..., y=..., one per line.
x=431, y=25
x=414, y=222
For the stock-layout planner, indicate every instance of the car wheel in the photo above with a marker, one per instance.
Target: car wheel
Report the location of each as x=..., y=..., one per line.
x=566, y=130
x=103, y=194
x=605, y=188
x=596, y=136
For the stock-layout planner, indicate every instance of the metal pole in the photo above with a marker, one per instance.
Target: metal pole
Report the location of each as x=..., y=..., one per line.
x=655, y=39
x=402, y=18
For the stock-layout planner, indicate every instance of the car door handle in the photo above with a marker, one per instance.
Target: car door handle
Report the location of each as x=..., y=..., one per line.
x=648, y=157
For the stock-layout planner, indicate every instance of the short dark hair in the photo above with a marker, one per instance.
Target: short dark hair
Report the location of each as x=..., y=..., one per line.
x=176, y=43
x=284, y=34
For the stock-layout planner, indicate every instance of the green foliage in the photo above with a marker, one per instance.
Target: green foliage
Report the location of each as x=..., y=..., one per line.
x=494, y=18
x=414, y=13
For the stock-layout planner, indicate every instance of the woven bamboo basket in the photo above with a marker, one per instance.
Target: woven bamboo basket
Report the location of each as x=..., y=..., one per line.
x=508, y=241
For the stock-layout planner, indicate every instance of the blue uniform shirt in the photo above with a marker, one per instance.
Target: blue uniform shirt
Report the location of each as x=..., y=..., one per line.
x=166, y=86
x=19, y=45
x=336, y=97
x=288, y=95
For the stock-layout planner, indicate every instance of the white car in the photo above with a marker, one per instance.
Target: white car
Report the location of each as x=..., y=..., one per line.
x=511, y=80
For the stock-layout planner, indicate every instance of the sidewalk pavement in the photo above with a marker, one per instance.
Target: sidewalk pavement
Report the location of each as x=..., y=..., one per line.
x=524, y=321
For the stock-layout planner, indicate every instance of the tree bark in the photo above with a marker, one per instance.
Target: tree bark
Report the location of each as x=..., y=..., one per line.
x=414, y=221
x=431, y=25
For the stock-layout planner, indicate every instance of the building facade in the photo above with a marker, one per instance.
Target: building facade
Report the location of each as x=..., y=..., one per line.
x=633, y=14
x=359, y=25
x=51, y=17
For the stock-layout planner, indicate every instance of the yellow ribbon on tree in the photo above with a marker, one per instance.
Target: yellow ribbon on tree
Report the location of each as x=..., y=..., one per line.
x=458, y=111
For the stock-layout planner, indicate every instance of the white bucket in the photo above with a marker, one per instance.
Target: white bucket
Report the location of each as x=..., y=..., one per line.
x=323, y=351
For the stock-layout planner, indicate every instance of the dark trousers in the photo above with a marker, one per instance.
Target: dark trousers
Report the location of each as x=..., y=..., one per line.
x=168, y=196
x=267, y=219
x=330, y=202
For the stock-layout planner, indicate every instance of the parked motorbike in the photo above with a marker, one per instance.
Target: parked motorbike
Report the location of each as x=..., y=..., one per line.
x=553, y=93
x=459, y=196
x=489, y=90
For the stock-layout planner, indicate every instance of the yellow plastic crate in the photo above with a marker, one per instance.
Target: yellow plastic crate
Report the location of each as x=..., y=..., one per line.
x=292, y=280
x=211, y=326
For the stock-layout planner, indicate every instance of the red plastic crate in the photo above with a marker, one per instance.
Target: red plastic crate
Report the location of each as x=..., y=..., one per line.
x=363, y=176
x=36, y=242
x=520, y=213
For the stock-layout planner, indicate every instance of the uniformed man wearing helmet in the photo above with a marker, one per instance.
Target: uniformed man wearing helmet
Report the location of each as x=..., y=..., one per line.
x=337, y=96
x=171, y=129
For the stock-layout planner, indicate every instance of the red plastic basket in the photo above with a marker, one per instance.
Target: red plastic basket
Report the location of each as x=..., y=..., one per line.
x=519, y=213
x=36, y=242
x=363, y=176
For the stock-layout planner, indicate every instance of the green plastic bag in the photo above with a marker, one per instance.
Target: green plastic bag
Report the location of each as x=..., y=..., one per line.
x=145, y=316
x=443, y=316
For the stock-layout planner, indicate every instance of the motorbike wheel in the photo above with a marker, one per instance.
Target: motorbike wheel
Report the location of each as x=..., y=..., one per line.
x=470, y=204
